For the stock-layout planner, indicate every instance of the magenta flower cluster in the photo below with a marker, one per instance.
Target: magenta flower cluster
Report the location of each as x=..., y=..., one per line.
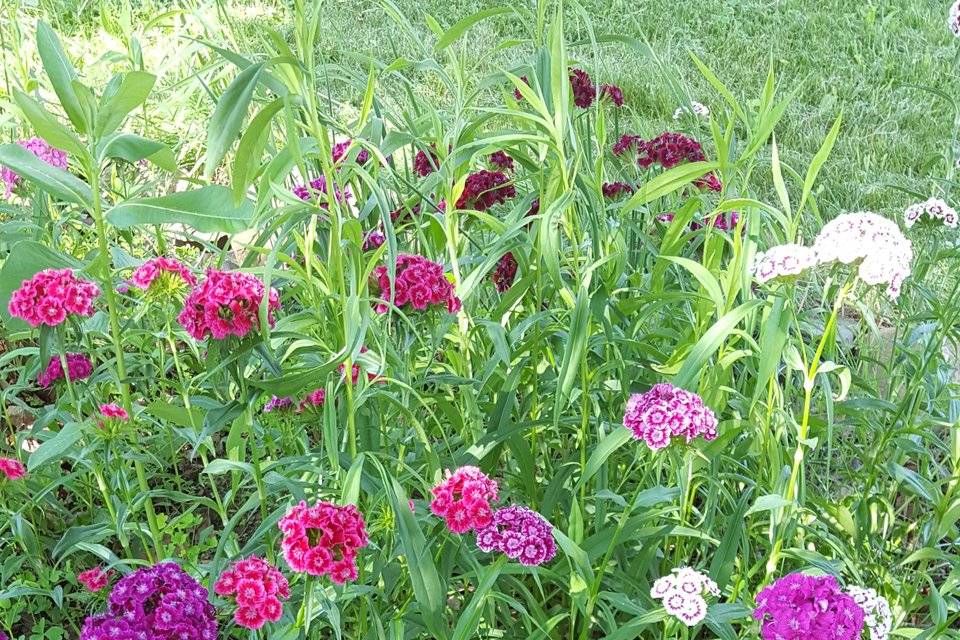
x=463, y=499
x=160, y=603
x=50, y=296
x=666, y=412
x=13, y=469
x=257, y=587
x=156, y=268
x=802, y=607
x=78, y=368
x=38, y=147
x=318, y=188
x=227, y=303
x=323, y=539
x=484, y=189
x=520, y=534
x=419, y=282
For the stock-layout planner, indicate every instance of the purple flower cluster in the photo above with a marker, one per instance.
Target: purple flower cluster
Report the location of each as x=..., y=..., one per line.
x=519, y=533
x=483, y=189
x=665, y=412
x=319, y=186
x=79, y=367
x=802, y=607
x=156, y=603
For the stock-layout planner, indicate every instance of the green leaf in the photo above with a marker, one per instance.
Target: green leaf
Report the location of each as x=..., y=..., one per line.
x=56, y=182
x=55, y=447
x=209, y=209
x=602, y=451
x=132, y=92
x=706, y=279
x=229, y=115
x=773, y=337
x=134, y=148
x=46, y=125
x=768, y=502
x=818, y=161
x=710, y=342
x=577, y=336
x=452, y=34
x=246, y=163
x=61, y=74
x=668, y=182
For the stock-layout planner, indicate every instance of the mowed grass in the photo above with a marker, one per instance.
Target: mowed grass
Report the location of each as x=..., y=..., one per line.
x=867, y=60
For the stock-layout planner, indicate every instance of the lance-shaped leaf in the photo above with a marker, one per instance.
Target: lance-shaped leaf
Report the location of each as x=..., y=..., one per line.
x=210, y=209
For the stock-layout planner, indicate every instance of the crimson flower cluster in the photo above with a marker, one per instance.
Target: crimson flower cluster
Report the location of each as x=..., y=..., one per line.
x=501, y=161
x=340, y=149
x=156, y=268
x=463, y=499
x=94, y=579
x=519, y=533
x=665, y=412
x=13, y=469
x=667, y=151
x=160, y=603
x=615, y=190
x=484, y=189
x=419, y=283
x=38, y=147
x=584, y=91
x=79, y=367
x=802, y=607
x=613, y=92
x=425, y=164
x=323, y=539
x=505, y=273
x=257, y=588
x=226, y=304
x=50, y=296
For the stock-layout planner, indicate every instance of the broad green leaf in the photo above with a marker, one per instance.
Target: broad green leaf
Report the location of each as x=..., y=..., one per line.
x=61, y=74
x=602, y=451
x=705, y=278
x=710, y=342
x=246, y=163
x=668, y=182
x=818, y=161
x=134, y=148
x=132, y=92
x=768, y=502
x=55, y=447
x=228, y=117
x=56, y=182
x=576, y=344
x=210, y=209
x=46, y=125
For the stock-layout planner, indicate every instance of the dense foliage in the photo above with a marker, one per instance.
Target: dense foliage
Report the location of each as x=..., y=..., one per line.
x=500, y=366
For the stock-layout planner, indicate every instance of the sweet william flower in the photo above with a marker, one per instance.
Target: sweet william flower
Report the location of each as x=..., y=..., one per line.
x=419, y=283
x=505, y=273
x=802, y=607
x=953, y=18
x=784, y=260
x=226, y=303
x=79, y=367
x=683, y=594
x=614, y=190
x=666, y=412
x=485, y=189
x=94, y=579
x=12, y=468
x=425, y=164
x=463, y=499
x=323, y=540
x=520, y=534
x=613, y=92
x=501, y=161
x=935, y=209
x=52, y=295
x=877, y=614
x=167, y=273
x=582, y=88
x=258, y=590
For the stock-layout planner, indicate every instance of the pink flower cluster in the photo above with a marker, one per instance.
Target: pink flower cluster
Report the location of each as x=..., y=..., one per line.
x=38, y=147
x=373, y=240
x=323, y=539
x=112, y=415
x=315, y=398
x=665, y=412
x=584, y=91
x=419, y=283
x=463, y=499
x=78, y=368
x=484, y=189
x=519, y=533
x=682, y=593
x=340, y=150
x=501, y=161
x=319, y=186
x=935, y=209
x=50, y=296
x=13, y=469
x=425, y=164
x=145, y=275
x=802, y=607
x=227, y=303
x=94, y=579
x=783, y=261
x=614, y=190
x=257, y=587
x=505, y=273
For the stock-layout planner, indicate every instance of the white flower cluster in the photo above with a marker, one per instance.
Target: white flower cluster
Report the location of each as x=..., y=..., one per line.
x=682, y=594
x=954, y=20
x=879, y=618
x=935, y=208
x=882, y=249
x=695, y=109
x=783, y=260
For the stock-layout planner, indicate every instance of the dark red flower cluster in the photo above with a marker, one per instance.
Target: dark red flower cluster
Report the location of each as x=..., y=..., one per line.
x=419, y=283
x=484, y=189
x=401, y=214
x=613, y=92
x=501, y=160
x=323, y=539
x=667, y=151
x=257, y=587
x=505, y=273
x=614, y=190
x=625, y=142
x=584, y=91
x=423, y=164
